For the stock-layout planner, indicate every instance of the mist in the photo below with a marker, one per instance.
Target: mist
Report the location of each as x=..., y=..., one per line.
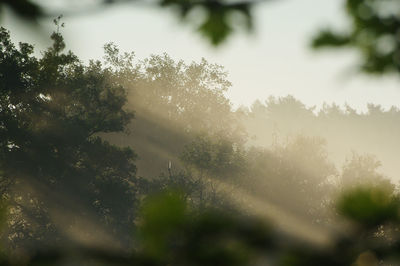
x=130, y=160
x=276, y=158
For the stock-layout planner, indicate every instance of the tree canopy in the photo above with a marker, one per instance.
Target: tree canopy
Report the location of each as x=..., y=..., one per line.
x=52, y=110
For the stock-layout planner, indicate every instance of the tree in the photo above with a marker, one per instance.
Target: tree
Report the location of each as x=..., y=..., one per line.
x=372, y=239
x=361, y=170
x=174, y=102
x=294, y=176
x=191, y=95
x=214, y=157
x=62, y=177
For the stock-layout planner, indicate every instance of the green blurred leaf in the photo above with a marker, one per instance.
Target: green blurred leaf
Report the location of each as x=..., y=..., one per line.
x=328, y=38
x=372, y=31
x=24, y=8
x=369, y=206
x=216, y=26
x=162, y=217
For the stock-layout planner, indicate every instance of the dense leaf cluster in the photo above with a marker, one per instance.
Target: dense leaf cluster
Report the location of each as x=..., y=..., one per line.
x=51, y=111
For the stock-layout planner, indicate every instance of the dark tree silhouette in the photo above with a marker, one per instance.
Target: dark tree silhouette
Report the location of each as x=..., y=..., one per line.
x=59, y=174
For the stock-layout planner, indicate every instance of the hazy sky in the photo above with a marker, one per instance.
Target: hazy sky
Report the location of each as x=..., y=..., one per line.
x=274, y=60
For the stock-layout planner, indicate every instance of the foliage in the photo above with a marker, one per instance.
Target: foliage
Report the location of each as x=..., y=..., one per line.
x=192, y=95
x=346, y=130
x=52, y=110
x=25, y=8
x=218, y=23
x=173, y=235
x=295, y=176
x=214, y=157
x=181, y=100
x=373, y=32
x=373, y=239
x=373, y=29
x=369, y=206
x=361, y=170
x=58, y=174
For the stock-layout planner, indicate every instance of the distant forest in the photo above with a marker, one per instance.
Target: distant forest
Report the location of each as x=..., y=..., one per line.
x=345, y=130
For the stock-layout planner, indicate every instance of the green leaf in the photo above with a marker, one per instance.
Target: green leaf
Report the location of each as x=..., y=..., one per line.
x=369, y=206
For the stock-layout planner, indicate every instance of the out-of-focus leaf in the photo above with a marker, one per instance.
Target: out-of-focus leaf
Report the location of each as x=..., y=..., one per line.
x=216, y=27
x=328, y=38
x=162, y=216
x=218, y=23
x=173, y=234
x=369, y=206
x=24, y=8
x=373, y=32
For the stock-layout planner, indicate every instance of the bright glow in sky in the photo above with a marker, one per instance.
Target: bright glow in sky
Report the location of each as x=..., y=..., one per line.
x=274, y=60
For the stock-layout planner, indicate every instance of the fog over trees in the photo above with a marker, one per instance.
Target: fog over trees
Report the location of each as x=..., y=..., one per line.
x=132, y=161
x=345, y=130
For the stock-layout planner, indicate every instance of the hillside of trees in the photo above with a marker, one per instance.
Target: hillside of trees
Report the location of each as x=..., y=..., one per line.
x=145, y=162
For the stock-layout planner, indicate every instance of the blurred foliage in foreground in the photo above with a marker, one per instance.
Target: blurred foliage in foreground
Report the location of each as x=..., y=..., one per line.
x=373, y=32
x=172, y=237
x=373, y=29
x=219, y=20
x=173, y=233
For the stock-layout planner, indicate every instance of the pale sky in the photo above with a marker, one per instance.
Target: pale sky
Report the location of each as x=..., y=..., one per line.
x=274, y=60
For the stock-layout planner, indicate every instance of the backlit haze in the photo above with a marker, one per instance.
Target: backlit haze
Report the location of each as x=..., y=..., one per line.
x=260, y=125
